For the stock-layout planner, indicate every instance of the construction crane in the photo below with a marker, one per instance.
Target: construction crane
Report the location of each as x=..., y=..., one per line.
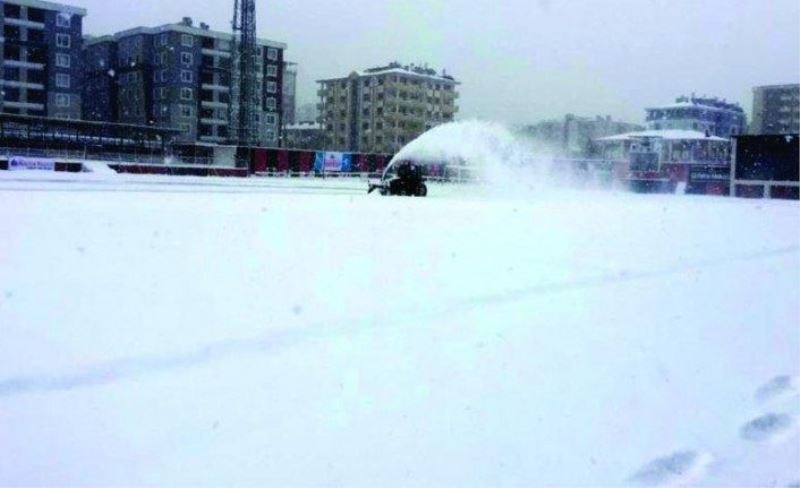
x=244, y=79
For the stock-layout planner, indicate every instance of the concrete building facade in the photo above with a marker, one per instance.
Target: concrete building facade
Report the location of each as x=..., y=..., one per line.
x=41, y=58
x=382, y=109
x=179, y=75
x=776, y=110
x=711, y=116
x=289, y=106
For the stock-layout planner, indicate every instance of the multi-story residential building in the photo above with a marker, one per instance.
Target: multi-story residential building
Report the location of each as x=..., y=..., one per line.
x=708, y=115
x=382, y=109
x=307, y=112
x=574, y=136
x=41, y=46
x=289, y=93
x=179, y=75
x=776, y=110
x=304, y=135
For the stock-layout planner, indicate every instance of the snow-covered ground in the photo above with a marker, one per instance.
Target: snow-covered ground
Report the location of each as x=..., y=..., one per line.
x=177, y=331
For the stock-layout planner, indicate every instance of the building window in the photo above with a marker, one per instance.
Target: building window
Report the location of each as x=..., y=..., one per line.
x=63, y=40
x=160, y=59
x=63, y=60
x=163, y=39
x=160, y=93
x=12, y=11
x=187, y=59
x=272, y=54
x=64, y=20
x=187, y=111
x=270, y=135
x=272, y=104
x=185, y=128
x=187, y=94
x=63, y=80
x=272, y=87
x=187, y=40
x=272, y=71
x=186, y=76
x=272, y=119
x=62, y=100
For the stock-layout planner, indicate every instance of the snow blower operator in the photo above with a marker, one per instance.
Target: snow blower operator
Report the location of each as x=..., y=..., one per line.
x=409, y=181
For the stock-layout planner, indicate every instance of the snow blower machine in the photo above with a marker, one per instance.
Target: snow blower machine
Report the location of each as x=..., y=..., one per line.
x=404, y=179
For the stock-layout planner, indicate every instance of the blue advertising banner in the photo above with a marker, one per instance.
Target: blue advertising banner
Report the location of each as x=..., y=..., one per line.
x=333, y=162
x=17, y=163
x=319, y=162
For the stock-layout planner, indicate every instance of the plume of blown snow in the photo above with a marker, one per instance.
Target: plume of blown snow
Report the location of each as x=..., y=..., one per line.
x=488, y=150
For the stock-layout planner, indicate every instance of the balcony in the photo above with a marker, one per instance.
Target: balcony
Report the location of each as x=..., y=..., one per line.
x=23, y=105
x=212, y=104
x=214, y=87
x=24, y=23
x=215, y=52
x=13, y=63
x=214, y=121
x=22, y=84
x=217, y=139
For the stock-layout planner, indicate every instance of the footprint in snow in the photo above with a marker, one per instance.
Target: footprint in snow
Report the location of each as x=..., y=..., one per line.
x=680, y=467
x=778, y=386
x=769, y=427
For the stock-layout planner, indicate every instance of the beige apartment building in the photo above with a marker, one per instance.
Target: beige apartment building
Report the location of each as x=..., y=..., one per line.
x=381, y=109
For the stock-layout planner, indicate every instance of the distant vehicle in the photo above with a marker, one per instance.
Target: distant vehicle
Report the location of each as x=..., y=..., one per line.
x=403, y=179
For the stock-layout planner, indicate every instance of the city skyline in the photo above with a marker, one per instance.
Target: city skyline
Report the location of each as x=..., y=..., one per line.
x=616, y=57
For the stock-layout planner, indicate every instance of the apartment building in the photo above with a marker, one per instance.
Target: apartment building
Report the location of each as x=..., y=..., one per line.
x=381, y=109
x=776, y=110
x=289, y=94
x=179, y=75
x=41, y=58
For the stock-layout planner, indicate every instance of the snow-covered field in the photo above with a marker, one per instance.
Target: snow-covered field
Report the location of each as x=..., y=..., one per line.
x=169, y=332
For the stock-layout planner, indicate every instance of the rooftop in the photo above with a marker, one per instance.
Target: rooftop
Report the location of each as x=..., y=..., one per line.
x=58, y=7
x=304, y=126
x=667, y=135
x=714, y=104
x=407, y=70
x=184, y=27
x=787, y=86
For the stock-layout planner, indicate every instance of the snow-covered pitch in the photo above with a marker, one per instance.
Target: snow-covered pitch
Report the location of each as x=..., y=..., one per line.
x=179, y=332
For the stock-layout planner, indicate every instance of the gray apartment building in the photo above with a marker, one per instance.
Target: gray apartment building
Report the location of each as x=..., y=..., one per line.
x=179, y=76
x=289, y=94
x=382, y=109
x=41, y=58
x=776, y=110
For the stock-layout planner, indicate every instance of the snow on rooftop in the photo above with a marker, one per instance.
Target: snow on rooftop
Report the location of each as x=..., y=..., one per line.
x=669, y=135
x=303, y=126
x=403, y=71
x=445, y=78
x=698, y=104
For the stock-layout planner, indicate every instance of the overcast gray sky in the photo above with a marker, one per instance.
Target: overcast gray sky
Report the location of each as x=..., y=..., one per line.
x=521, y=61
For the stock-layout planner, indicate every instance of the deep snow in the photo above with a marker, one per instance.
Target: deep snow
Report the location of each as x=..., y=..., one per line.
x=301, y=333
